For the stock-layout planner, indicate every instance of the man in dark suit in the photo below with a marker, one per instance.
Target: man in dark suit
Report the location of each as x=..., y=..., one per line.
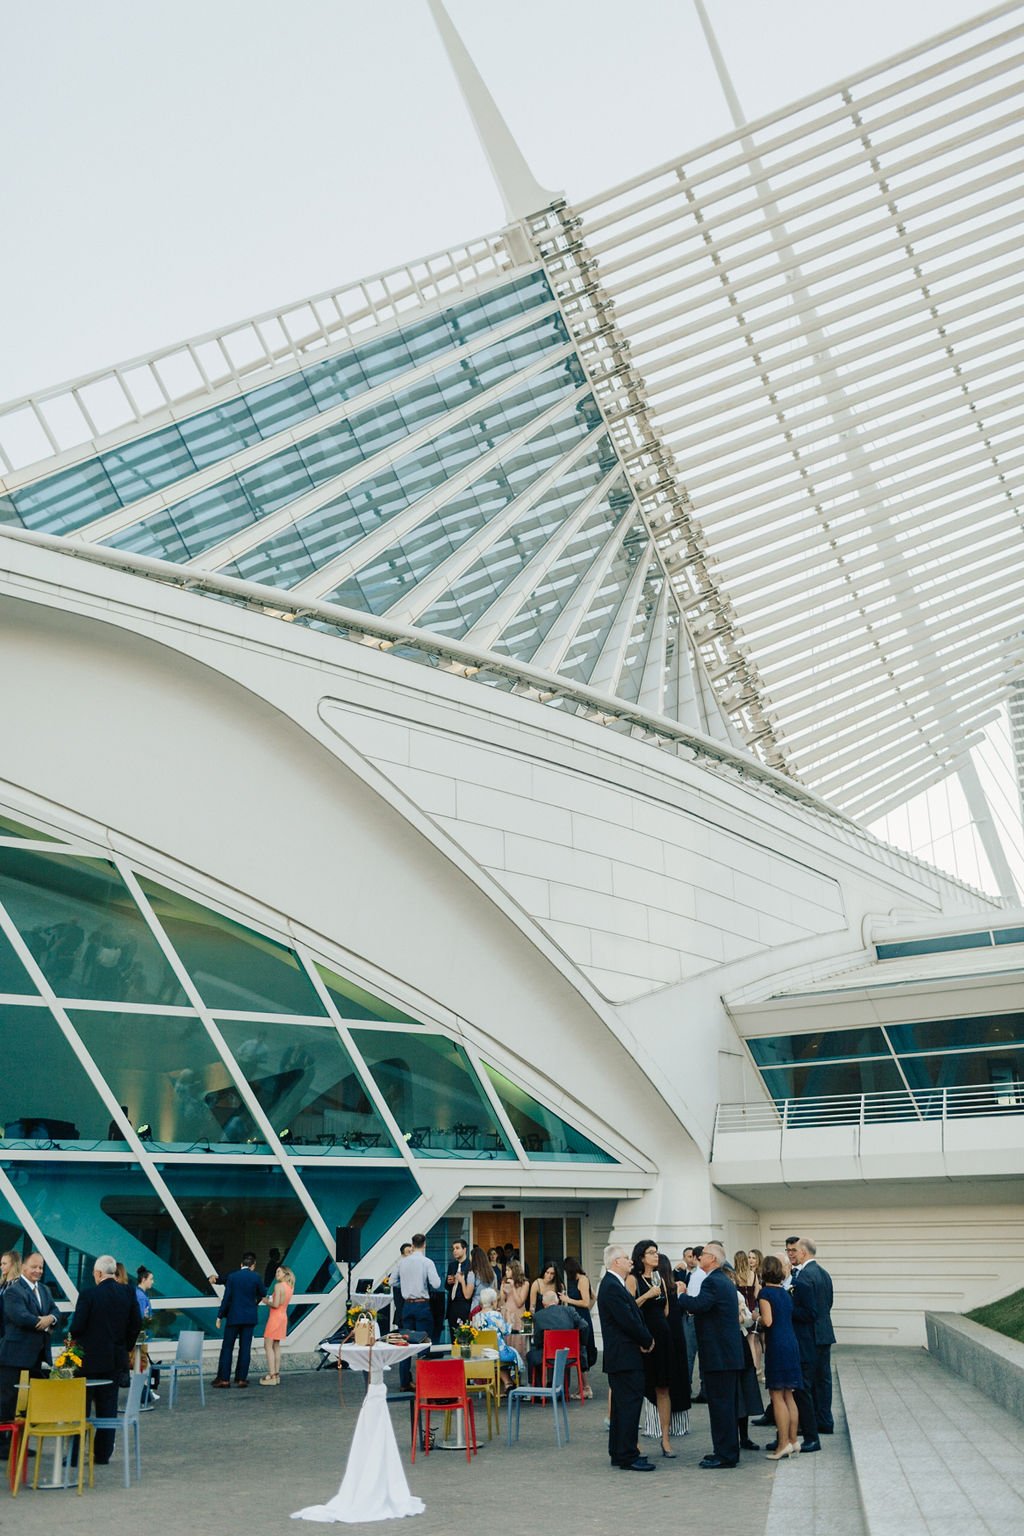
x=716, y=1314
x=804, y=1317
x=29, y=1320
x=819, y=1282
x=626, y=1339
x=460, y=1282
x=105, y=1325
x=242, y=1295
x=553, y=1314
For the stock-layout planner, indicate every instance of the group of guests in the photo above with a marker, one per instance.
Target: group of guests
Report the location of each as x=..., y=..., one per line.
x=105, y=1325
x=786, y=1302
x=492, y=1290
x=245, y=1292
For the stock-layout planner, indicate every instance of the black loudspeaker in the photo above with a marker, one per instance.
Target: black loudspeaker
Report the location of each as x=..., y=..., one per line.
x=346, y=1240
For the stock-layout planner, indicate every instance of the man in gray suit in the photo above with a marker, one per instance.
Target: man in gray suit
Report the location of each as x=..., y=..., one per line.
x=29, y=1319
x=820, y=1282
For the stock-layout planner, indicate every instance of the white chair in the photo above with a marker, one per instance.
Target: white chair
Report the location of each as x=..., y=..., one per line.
x=188, y=1361
x=127, y=1424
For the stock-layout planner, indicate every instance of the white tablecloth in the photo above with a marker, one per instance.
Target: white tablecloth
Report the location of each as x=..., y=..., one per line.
x=374, y=1485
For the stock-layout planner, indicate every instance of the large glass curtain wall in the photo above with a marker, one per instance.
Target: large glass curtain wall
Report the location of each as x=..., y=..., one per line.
x=179, y=1086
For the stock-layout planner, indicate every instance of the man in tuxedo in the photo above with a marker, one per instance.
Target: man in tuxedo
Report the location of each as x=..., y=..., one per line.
x=242, y=1295
x=29, y=1320
x=626, y=1339
x=553, y=1314
x=819, y=1283
x=716, y=1313
x=459, y=1283
x=105, y=1325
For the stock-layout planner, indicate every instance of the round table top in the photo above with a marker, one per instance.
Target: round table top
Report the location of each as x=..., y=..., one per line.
x=358, y=1356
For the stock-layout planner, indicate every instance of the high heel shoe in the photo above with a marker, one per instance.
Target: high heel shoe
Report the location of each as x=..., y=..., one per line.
x=671, y=1455
x=780, y=1454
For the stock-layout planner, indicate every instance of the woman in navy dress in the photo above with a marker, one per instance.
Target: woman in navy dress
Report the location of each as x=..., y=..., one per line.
x=782, y=1372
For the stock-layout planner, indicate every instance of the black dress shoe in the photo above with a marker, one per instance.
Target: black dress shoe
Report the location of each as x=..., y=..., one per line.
x=749, y=1445
x=700, y=1398
x=807, y=1446
x=767, y=1420
x=640, y=1465
x=715, y=1464
x=829, y=1431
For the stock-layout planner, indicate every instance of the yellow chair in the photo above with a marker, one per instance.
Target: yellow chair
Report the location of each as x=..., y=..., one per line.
x=56, y=1408
x=485, y=1376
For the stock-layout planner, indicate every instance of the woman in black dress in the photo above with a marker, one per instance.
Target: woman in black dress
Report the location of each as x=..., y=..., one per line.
x=679, y=1363
x=646, y=1285
x=581, y=1296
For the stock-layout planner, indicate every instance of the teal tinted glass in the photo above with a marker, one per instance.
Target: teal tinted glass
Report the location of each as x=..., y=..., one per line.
x=954, y=1034
x=545, y=1136
x=308, y=1087
x=234, y=1210
x=942, y=944
x=966, y=1069
x=847, y=1077
x=13, y=1236
x=434, y=1095
x=233, y=966
x=1009, y=935
x=83, y=928
x=11, y=828
x=167, y=1071
x=13, y=975
x=46, y=1097
x=73, y=497
x=85, y=1209
x=370, y=1199
x=354, y=1002
x=823, y=1045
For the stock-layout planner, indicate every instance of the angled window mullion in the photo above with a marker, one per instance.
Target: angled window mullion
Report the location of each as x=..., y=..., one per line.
x=409, y=609
x=241, y=1082
x=553, y=648
x=503, y=610
x=374, y=544
x=604, y=677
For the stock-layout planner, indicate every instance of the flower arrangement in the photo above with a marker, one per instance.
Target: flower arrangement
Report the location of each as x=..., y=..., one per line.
x=385, y=1284
x=69, y=1361
x=527, y=1322
x=465, y=1333
x=355, y=1312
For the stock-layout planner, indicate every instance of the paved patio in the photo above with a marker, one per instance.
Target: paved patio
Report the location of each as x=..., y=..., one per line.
x=247, y=1460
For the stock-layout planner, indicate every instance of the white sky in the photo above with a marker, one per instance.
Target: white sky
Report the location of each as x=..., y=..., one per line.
x=171, y=166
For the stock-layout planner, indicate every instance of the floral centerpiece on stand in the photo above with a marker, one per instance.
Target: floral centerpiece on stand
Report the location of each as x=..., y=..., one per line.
x=363, y=1324
x=69, y=1361
x=527, y=1323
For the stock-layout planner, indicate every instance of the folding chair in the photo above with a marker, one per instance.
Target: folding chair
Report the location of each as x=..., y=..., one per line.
x=556, y=1392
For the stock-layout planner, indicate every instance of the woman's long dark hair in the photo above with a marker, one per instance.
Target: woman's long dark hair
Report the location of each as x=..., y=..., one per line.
x=637, y=1257
x=573, y=1269
x=481, y=1265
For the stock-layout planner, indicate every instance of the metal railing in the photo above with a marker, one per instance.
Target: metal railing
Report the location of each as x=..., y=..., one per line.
x=858, y=1109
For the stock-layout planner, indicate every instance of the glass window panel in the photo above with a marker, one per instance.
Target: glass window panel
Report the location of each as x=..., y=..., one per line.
x=13, y=975
x=147, y=465
x=330, y=453
x=354, y=1002
x=1009, y=935
x=826, y=1045
x=846, y=1077
x=544, y=1135
x=11, y=828
x=15, y=1238
x=953, y=1034
x=46, y=1096
x=167, y=1072
x=68, y=499
x=85, y=1209
x=212, y=515
x=434, y=1095
x=79, y=920
x=937, y=946
x=336, y=380
x=233, y=1210
x=543, y=1239
x=156, y=537
x=307, y=1085
x=233, y=966
x=275, y=481
x=216, y=434
x=372, y=1199
x=282, y=404
x=968, y=1069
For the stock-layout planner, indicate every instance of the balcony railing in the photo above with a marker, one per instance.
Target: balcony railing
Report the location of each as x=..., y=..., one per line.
x=870, y=1108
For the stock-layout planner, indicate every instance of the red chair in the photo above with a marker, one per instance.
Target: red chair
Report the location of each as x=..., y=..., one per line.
x=14, y=1428
x=563, y=1338
x=441, y=1387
